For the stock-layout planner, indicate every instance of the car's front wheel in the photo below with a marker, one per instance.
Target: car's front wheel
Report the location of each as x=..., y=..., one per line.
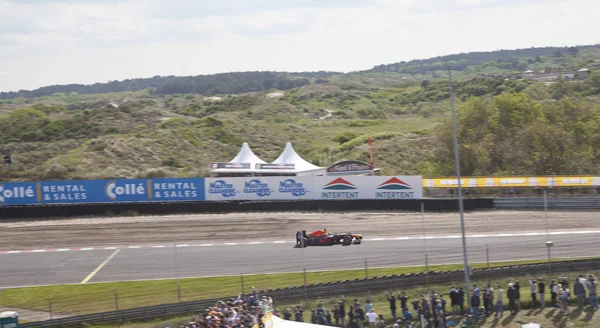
x=347, y=241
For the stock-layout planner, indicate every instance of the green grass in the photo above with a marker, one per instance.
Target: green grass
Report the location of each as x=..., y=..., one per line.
x=77, y=299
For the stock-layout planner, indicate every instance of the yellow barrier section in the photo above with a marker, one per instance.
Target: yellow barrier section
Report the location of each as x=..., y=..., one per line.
x=514, y=182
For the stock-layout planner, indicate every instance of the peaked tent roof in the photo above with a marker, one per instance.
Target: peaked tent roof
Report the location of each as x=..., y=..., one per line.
x=289, y=156
x=246, y=155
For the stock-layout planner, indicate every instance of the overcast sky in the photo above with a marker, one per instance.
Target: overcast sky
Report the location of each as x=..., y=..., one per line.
x=46, y=42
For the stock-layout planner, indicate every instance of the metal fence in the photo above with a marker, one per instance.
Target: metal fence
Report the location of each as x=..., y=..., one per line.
x=580, y=203
x=328, y=289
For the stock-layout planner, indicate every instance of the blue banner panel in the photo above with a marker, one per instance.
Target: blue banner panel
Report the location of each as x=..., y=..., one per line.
x=185, y=189
x=18, y=193
x=72, y=191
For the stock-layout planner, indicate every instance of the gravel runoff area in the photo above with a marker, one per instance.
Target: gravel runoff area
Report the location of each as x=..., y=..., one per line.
x=244, y=227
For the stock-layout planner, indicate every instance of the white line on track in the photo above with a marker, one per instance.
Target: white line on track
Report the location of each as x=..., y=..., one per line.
x=525, y=234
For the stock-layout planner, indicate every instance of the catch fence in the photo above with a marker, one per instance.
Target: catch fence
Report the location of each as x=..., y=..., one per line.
x=321, y=290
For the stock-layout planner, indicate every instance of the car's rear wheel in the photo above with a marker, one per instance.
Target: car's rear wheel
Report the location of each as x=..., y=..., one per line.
x=347, y=241
x=304, y=242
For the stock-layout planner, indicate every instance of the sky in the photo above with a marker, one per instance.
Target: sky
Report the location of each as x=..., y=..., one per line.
x=46, y=42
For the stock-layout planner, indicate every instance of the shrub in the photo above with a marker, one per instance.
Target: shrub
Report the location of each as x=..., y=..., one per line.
x=344, y=137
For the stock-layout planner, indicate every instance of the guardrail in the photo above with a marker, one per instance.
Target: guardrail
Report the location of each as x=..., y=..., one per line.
x=591, y=203
x=327, y=289
x=60, y=211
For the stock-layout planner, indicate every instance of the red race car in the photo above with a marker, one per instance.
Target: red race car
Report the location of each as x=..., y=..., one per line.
x=325, y=238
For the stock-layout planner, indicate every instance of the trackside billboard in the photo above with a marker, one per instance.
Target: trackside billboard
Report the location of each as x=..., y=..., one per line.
x=210, y=189
x=371, y=187
x=259, y=188
x=334, y=188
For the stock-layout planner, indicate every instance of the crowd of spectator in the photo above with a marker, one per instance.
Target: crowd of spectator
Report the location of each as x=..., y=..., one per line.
x=240, y=312
x=247, y=311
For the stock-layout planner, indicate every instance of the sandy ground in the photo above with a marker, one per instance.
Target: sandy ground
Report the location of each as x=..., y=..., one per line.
x=240, y=227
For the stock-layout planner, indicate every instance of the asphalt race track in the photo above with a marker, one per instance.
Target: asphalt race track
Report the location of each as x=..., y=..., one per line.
x=166, y=261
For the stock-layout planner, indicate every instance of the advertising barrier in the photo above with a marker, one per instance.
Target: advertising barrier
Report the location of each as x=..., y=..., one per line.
x=101, y=191
x=514, y=182
x=314, y=187
x=211, y=189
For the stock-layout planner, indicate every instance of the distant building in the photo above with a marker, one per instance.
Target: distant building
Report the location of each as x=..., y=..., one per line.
x=582, y=73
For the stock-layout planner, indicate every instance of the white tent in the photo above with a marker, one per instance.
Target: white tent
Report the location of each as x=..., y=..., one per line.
x=271, y=321
x=246, y=163
x=243, y=162
x=246, y=155
x=300, y=165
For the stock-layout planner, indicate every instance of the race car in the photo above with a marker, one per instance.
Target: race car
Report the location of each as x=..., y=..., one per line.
x=325, y=238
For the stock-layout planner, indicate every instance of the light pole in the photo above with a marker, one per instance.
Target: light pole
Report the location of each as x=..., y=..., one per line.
x=460, y=200
x=549, y=243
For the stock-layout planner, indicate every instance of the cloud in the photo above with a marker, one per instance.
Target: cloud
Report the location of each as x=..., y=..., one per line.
x=197, y=9
x=55, y=42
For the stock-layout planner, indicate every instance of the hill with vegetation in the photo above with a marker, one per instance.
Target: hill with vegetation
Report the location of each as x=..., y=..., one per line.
x=507, y=125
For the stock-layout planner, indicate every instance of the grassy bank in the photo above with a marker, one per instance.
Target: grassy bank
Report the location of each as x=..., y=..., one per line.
x=549, y=317
x=77, y=299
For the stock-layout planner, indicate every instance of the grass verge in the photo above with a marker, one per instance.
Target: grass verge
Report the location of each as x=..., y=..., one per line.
x=530, y=312
x=78, y=299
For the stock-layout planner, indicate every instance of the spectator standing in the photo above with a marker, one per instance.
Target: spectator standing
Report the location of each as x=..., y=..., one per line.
x=381, y=322
x=403, y=299
x=579, y=290
x=426, y=307
x=564, y=298
x=499, y=308
x=553, y=292
x=359, y=314
x=368, y=306
x=487, y=301
x=299, y=312
x=593, y=295
x=328, y=317
x=342, y=307
x=454, y=299
x=511, y=294
x=392, y=300
x=443, y=301
x=351, y=317
x=475, y=303
x=461, y=300
x=541, y=291
x=518, y=301
x=336, y=315
x=372, y=318
x=439, y=311
x=532, y=288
